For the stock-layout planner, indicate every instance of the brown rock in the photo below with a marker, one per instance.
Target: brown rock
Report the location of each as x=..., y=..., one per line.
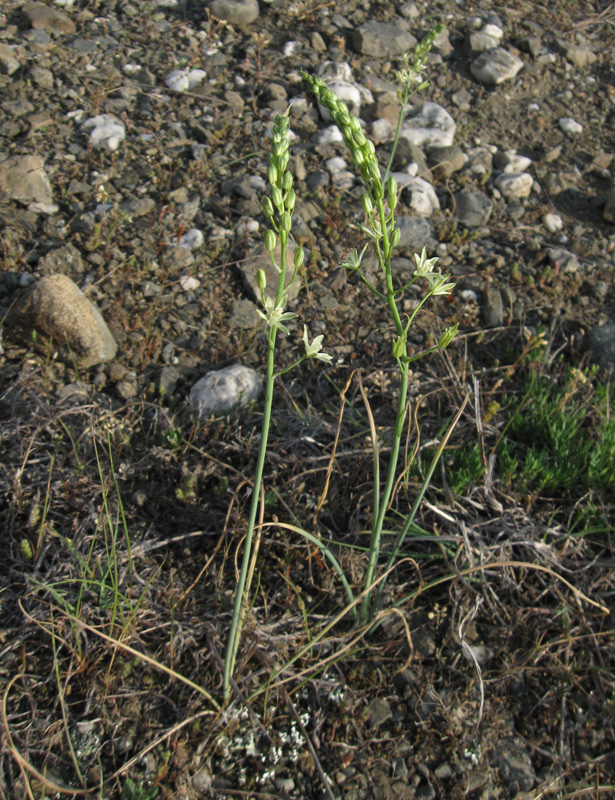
x=54, y=313
x=42, y=17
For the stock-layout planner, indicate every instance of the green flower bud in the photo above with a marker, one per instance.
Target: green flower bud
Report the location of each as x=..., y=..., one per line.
x=267, y=207
x=285, y=222
x=287, y=181
x=367, y=204
x=448, y=336
x=291, y=199
x=277, y=197
x=355, y=124
x=272, y=175
x=282, y=162
x=392, y=193
x=374, y=171
x=261, y=279
x=395, y=237
x=299, y=257
x=360, y=138
x=399, y=347
x=358, y=157
x=270, y=240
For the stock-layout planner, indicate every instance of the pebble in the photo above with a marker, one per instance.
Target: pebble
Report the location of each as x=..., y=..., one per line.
x=23, y=178
x=563, y=259
x=222, y=391
x=188, y=283
x=8, y=63
x=237, y=12
x=382, y=40
x=472, y=207
x=330, y=135
x=184, y=80
x=553, y=222
x=42, y=17
x=511, y=161
x=106, y=131
x=191, y=240
x=570, y=126
x=601, y=343
x=493, y=307
x=495, y=66
x=429, y=126
x=423, y=198
x=379, y=711
x=514, y=184
x=609, y=209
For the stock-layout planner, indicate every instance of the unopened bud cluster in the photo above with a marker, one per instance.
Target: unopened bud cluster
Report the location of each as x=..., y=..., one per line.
x=363, y=151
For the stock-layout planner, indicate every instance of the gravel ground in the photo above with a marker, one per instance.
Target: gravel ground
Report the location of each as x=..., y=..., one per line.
x=133, y=151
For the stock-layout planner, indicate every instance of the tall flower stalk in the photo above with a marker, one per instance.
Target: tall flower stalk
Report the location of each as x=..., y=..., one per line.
x=379, y=202
x=278, y=208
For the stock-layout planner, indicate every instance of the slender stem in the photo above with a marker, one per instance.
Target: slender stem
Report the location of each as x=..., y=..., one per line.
x=243, y=587
x=374, y=548
x=239, y=607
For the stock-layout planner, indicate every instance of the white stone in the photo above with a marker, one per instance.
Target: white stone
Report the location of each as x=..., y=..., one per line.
x=291, y=49
x=423, y=198
x=131, y=69
x=468, y=296
x=335, y=164
x=493, y=30
x=191, y=240
x=183, y=80
x=105, y=131
x=348, y=93
x=514, y=184
x=221, y=391
x=429, y=126
x=343, y=179
x=330, y=135
x=495, y=66
x=336, y=71
x=247, y=225
x=188, y=283
x=553, y=222
x=382, y=130
x=571, y=126
x=511, y=161
x=298, y=105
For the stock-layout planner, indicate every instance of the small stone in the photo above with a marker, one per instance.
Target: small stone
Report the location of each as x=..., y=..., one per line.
x=222, y=391
x=495, y=66
x=552, y=222
x=570, y=126
x=237, y=12
x=601, y=342
x=493, y=307
x=330, y=135
x=379, y=711
x=416, y=233
x=609, y=209
x=191, y=240
x=23, y=178
x=184, y=80
x=54, y=314
x=188, y=283
x=563, y=260
x=382, y=130
x=443, y=771
x=127, y=388
x=511, y=161
x=472, y=208
x=382, y=40
x=448, y=160
x=167, y=380
x=485, y=39
x=429, y=126
x=514, y=184
x=515, y=768
x=423, y=198
x=244, y=314
x=8, y=63
x=106, y=131
x=42, y=17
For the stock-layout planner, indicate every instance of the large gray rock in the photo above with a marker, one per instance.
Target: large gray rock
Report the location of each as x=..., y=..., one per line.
x=473, y=208
x=222, y=391
x=382, y=40
x=23, y=178
x=237, y=12
x=53, y=313
x=416, y=233
x=495, y=66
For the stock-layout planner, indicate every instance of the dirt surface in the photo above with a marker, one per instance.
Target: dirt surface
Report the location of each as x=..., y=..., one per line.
x=123, y=513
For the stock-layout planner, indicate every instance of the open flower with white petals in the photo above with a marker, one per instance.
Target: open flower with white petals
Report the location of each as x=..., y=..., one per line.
x=438, y=284
x=424, y=265
x=275, y=316
x=313, y=350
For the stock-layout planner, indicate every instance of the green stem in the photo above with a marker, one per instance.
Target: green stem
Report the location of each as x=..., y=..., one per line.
x=374, y=547
x=243, y=587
